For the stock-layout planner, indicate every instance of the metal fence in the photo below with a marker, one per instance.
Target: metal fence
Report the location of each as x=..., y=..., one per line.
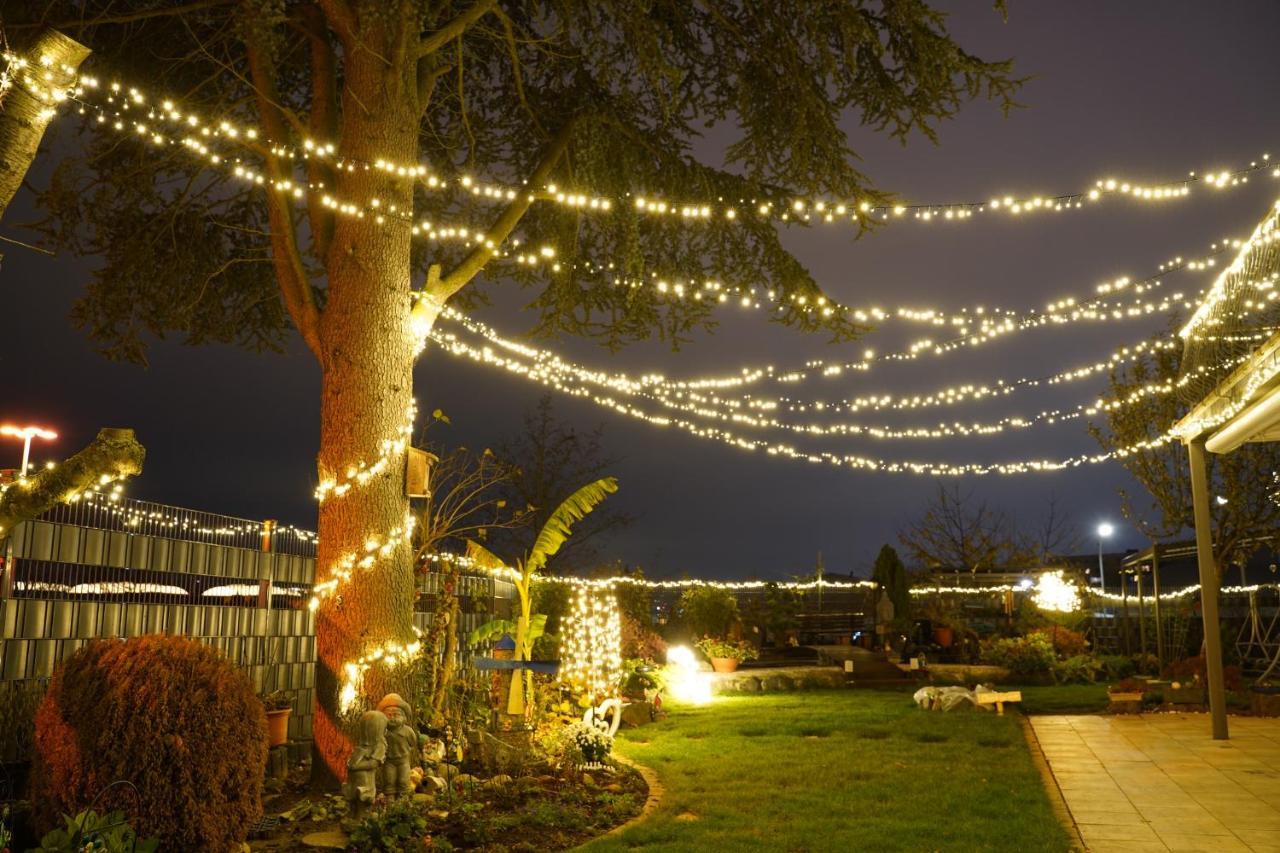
x=107, y=567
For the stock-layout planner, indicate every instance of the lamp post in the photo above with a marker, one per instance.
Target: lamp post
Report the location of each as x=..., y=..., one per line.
x=1105, y=529
x=26, y=434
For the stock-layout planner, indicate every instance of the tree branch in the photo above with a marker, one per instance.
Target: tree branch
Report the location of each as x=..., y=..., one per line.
x=323, y=121
x=443, y=288
x=454, y=28
x=295, y=287
x=131, y=17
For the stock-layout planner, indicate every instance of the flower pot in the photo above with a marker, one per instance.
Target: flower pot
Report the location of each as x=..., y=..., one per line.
x=1264, y=701
x=944, y=636
x=1125, y=702
x=278, y=726
x=724, y=664
x=1184, y=694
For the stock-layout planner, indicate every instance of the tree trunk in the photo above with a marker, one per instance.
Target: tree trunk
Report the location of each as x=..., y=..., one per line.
x=368, y=351
x=24, y=112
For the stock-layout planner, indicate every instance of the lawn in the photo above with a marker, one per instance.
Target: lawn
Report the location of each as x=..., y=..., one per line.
x=1064, y=698
x=838, y=770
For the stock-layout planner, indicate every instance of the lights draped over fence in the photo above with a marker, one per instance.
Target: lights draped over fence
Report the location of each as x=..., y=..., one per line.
x=591, y=645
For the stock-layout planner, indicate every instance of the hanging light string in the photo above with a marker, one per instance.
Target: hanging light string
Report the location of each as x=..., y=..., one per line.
x=992, y=322
x=783, y=207
x=542, y=376
x=676, y=397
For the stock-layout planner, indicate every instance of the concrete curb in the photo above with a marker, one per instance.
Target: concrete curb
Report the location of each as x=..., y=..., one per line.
x=1056, y=800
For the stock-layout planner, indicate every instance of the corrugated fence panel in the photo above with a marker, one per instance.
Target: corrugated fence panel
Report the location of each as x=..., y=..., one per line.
x=71, y=584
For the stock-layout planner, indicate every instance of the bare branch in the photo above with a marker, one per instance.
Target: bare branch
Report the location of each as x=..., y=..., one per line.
x=454, y=28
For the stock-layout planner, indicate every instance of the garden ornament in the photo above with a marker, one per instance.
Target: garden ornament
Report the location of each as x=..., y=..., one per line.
x=362, y=767
x=402, y=746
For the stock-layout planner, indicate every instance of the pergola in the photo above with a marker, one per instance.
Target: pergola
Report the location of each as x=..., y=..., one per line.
x=1231, y=367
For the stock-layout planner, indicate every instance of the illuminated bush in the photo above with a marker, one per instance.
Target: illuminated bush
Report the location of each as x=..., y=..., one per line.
x=168, y=714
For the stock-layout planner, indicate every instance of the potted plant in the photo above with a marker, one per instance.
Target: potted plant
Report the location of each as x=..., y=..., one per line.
x=278, y=706
x=1126, y=696
x=725, y=655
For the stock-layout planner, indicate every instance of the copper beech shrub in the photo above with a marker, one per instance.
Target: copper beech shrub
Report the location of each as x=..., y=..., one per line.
x=170, y=715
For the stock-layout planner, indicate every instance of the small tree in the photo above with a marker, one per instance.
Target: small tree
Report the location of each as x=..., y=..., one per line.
x=528, y=626
x=960, y=533
x=891, y=574
x=708, y=611
x=1243, y=510
x=546, y=462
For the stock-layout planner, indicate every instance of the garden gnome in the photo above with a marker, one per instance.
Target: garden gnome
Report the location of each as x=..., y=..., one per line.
x=402, y=746
x=366, y=759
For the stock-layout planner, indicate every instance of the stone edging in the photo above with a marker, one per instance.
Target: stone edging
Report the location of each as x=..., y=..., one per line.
x=1056, y=800
x=656, y=791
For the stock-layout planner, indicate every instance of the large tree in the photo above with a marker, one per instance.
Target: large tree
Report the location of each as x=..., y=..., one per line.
x=607, y=98
x=1241, y=482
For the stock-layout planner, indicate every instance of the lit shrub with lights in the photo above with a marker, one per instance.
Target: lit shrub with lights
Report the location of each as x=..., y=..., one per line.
x=171, y=716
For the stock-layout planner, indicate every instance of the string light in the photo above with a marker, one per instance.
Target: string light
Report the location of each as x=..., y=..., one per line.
x=1055, y=593
x=720, y=209
x=591, y=647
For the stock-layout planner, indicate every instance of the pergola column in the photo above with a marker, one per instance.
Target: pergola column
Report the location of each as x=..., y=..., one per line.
x=1208, y=588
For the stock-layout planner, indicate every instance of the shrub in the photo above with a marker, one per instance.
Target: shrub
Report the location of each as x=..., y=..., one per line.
x=399, y=826
x=708, y=610
x=1077, y=669
x=1117, y=667
x=713, y=648
x=1031, y=655
x=641, y=641
x=1065, y=642
x=168, y=714
x=1196, y=669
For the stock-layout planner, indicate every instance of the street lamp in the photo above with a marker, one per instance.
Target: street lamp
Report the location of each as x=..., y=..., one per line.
x=1105, y=529
x=26, y=434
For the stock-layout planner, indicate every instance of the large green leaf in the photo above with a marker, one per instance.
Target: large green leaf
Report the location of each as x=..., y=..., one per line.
x=486, y=560
x=558, y=527
x=491, y=630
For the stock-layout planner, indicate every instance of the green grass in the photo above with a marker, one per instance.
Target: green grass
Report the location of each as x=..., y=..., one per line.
x=838, y=770
x=1063, y=698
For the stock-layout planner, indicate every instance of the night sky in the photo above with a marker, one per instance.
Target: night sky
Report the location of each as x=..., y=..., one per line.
x=1146, y=93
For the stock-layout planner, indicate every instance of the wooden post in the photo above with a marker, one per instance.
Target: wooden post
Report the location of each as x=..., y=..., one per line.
x=1142, y=616
x=1124, y=613
x=1208, y=587
x=1155, y=593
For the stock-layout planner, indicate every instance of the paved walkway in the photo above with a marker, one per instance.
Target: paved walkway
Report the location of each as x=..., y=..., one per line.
x=1159, y=782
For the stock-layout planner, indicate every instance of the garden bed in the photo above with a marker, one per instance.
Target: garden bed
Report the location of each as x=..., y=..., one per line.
x=529, y=813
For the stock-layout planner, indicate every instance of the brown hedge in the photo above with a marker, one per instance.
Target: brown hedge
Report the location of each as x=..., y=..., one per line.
x=170, y=715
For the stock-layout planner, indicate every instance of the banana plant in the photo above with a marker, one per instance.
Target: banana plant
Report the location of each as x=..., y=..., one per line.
x=528, y=626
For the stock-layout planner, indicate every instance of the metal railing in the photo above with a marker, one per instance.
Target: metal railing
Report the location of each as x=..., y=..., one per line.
x=110, y=511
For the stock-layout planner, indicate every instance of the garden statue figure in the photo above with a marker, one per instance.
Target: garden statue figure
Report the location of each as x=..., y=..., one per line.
x=402, y=746
x=366, y=761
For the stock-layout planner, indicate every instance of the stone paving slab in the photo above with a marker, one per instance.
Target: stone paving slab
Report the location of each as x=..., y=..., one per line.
x=1159, y=782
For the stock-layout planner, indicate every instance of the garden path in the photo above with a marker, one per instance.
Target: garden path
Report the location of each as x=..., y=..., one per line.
x=1159, y=782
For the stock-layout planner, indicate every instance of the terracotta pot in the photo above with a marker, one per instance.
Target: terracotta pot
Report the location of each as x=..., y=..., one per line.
x=724, y=664
x=944, y=636
x=278, y=726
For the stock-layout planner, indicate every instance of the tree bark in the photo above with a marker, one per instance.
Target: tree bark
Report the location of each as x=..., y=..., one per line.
x=368, y=347
x=24, y=114
x=113, y=453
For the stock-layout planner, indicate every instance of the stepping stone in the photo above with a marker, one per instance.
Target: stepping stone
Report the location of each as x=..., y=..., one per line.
x=331, y=840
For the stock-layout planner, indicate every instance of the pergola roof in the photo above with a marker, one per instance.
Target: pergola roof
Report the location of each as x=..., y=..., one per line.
x=1223, y=335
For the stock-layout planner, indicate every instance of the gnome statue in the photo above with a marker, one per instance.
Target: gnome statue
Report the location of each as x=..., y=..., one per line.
x=366, y=759
x=402, y=746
